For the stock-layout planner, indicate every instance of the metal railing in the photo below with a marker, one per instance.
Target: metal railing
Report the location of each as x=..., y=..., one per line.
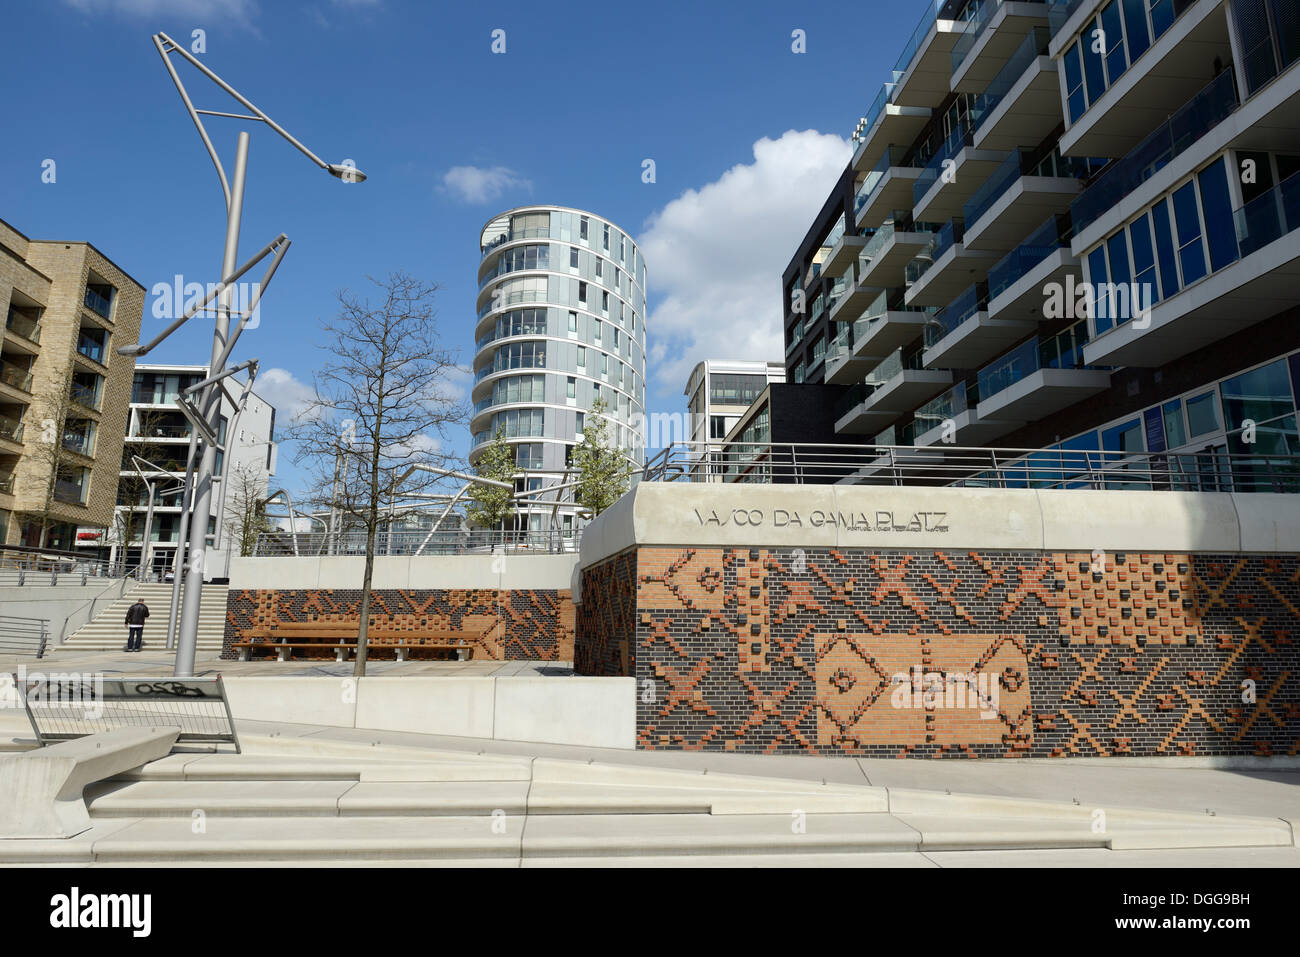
x=22, y=566
x=408, y=542
x=803, y=463
x=24, y=636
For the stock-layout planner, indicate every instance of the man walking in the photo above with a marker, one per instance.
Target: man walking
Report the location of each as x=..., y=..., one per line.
x=135, y=616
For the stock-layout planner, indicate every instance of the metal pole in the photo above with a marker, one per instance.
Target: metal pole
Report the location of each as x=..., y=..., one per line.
x=148, y=532
x=187, y=640
x=182, y=528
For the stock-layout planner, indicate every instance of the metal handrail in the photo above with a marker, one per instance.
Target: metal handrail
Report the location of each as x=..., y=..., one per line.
x=416, y=542
x=24, y=636
x=808, y=463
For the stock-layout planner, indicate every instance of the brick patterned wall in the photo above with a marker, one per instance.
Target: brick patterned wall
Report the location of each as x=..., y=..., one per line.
x=533, y=624
x=834, y=651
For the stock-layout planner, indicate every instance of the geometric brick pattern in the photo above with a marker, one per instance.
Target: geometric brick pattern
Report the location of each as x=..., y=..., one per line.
x=523, y=624
x=830, y=651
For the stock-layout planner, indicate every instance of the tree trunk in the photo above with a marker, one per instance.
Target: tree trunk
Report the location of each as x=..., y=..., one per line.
x=363, y=630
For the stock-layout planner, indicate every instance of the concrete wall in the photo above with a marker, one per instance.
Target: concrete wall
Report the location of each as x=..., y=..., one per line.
x=427, y=571
x=57, y=604
x=818, y=620
x=596, y=712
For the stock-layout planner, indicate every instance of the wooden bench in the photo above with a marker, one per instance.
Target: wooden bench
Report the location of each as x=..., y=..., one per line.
x=340, y=637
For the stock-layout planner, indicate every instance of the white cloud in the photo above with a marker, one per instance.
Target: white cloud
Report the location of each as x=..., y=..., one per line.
x=481, y=184
x=284, y=392
x=240, y=11
x=715, y=255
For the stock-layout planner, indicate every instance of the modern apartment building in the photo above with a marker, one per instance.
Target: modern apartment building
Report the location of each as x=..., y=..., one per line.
x=1067, y=224
x=561, y=323
x=720, y=391
x=158, y=434
x=64, y=390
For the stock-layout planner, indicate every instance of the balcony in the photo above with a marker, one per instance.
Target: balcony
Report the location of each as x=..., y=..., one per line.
x=951, y=177
x=24, y=325
x=11, y=430
x=962, y=335
x=99, y=300
x=1022, y=104
x=844, y=253
x=884, y=260
x=946, y=268
x=895, y=386
x=923, y=73
x=1260, y=283
x=992, y=37
x=887, y=123
x=865, y=343
x=16, y=376
x=951, y=419
x=887, y=187
x=1153, y=86
x=1040, y=377
x=1018, y=281
x=1190, y=122
x=1016, y=198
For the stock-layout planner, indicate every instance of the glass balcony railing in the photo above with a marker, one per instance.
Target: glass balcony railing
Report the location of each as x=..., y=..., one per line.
x=975, y=28
x=24, y=326
x=893, y=156
x=1033, y=46
x=85, y=395
x=944, y=408
x=898, y=435
x=1009, y=173
x=16, y=376
x=1059, y=11
x=953, y=315
x=79, y=442
x=842, y=344
x=1061, y=351
x=11, y=429
x=1046, y=239
x=1193, y=120
x=1269, y=217
x=538, y=232
x=894, y=364
x=97, y=303
x=512, y=299
x=917, y=39
x=853, y=398
x=91, y=348
x=934, y=168
x=876, y=108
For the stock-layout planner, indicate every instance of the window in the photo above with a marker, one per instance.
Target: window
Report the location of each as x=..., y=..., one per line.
x=1144, y=256
x=1076, y=98
x=572, y=392
x=582, y=227
x=582, y=357
x=1191, y=246
x=1259, y=396
x=580, y=422
x=1126, y=438
x=1202, y=417
x=573, y=322
x=582, y=293
x=604, y=302
x=605, y=241
x=1220, y=228
x=600, y=267
x=596, y=330
x=1165, y=247
x=1175, y=428
x=1116, y=55
x=573, y=258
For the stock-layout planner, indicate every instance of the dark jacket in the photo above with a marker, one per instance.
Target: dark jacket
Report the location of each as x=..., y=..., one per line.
x=137, y=613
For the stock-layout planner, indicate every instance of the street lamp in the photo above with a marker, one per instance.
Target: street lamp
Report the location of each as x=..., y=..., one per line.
x=223, y=341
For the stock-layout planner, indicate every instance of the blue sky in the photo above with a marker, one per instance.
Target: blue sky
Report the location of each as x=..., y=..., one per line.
x=746, y=135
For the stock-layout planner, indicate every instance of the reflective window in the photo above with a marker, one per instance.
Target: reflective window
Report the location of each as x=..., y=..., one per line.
x=1202, y=416
x=1191, y=246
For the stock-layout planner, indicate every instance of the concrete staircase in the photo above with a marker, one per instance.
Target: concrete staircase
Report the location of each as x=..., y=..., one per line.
x=105, y=632
x=355, y=805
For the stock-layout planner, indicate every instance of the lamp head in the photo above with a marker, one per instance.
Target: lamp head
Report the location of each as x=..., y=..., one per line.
x=346, y=172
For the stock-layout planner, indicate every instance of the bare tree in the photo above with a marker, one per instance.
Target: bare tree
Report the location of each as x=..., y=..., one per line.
x=245, y=517
x=132, y=491
x=381, y=405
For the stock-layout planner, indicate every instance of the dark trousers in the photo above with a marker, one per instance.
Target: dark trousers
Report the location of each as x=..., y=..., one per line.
x=134, y=637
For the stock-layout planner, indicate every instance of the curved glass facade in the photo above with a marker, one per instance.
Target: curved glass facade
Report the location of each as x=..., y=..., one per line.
x=560, y=322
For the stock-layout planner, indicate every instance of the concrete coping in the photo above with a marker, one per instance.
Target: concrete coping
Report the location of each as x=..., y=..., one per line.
x=41, y=790
x=685, y=514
